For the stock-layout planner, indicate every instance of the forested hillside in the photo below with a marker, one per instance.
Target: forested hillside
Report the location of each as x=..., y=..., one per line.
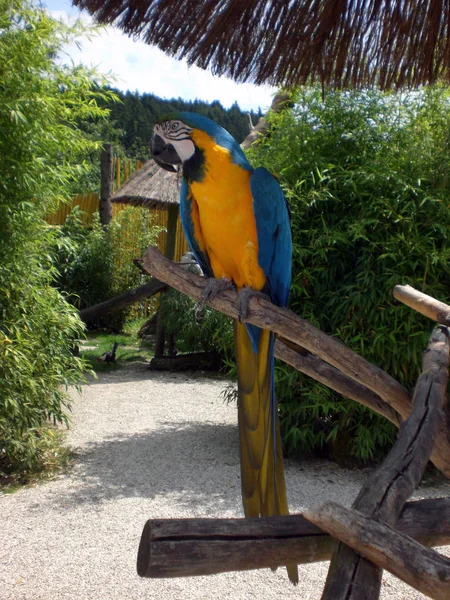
x=134, y=115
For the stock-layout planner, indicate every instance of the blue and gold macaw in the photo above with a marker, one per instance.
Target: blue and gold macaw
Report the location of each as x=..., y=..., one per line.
x=236, y=221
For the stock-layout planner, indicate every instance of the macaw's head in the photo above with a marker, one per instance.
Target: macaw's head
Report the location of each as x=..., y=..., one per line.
x=171, y=142
x=183, y=139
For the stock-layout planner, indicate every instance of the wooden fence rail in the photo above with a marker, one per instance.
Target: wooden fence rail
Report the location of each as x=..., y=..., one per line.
x=187, y=547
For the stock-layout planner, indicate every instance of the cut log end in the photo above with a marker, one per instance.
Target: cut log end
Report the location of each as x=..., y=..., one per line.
x=144, y=551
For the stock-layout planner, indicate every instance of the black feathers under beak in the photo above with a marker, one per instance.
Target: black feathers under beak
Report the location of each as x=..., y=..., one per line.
x=164, y=154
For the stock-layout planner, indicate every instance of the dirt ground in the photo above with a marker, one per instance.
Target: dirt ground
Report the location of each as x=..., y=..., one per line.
x=152, y=445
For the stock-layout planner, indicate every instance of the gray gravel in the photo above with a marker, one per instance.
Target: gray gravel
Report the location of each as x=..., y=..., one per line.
x=151, y=445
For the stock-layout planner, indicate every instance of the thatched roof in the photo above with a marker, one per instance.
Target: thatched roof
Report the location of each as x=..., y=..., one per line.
x=151, y=187
x=280, y=42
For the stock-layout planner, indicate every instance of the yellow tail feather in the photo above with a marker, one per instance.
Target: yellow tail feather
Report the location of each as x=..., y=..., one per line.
x=262, y=472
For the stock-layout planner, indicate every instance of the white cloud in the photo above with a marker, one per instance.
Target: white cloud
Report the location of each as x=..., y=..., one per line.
x=143, y=68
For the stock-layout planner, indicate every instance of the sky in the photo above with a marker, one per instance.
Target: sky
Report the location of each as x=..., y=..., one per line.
x=143, y=68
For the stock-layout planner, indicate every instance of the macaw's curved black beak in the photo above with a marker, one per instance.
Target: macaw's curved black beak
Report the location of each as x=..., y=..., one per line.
x=164, y=154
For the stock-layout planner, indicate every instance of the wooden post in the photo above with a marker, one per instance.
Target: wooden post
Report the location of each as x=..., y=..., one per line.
x=106, y=184
x=117, y=171
x=169, y=253
x=421, y=568
x=352, y=577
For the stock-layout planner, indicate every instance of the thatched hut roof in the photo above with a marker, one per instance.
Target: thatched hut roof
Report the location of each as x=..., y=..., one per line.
x=339, y=42
x=151, y=187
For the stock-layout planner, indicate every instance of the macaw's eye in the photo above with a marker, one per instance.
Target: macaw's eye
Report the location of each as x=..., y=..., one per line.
x=174, y=125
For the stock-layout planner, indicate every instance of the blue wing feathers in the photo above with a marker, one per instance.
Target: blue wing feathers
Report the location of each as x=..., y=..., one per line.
x=274, y=234
x=274, y=256
x=274, y=240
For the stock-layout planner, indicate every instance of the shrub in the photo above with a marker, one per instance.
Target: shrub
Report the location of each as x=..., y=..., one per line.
x=41, y=153
x=366, y=174
x=96, y=263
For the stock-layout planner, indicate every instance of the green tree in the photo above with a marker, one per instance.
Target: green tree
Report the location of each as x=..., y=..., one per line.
x=135, y=115
x=366, y=174
x=41, y=152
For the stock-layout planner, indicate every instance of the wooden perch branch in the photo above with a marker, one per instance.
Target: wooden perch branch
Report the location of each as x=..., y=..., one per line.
x=426, y=305
x=420, y=567
x=383, y=496
x=188, y=547
x=368, y=541
x=307, y=363
x=287, y=325
x=118, y=302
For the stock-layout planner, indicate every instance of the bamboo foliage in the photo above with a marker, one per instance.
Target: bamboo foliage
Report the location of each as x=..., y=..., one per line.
x=89, y=204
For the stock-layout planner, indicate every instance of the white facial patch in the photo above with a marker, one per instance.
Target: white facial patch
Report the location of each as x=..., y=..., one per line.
x=177, y=134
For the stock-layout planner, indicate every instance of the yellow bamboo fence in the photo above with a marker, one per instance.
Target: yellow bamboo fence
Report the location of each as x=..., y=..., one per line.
x=88, y=203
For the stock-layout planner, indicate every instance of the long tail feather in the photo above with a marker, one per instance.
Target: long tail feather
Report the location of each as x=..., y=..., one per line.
x=262, y=472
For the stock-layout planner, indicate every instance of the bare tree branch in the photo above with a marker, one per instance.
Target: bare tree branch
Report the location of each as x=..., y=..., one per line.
x=426, y=305
x=382, y=498
x=188, y=547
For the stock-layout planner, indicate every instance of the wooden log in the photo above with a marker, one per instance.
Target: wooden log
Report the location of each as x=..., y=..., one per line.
x=286, y=324
x=419, y=567
x=87, y=315
x=206, y=361
x=106, y=184
x=187, y=547
x=281, y=101
x=321, y=371
x=382, y=498
x=422, y=303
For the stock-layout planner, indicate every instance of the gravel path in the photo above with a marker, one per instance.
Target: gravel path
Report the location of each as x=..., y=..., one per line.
x=151, y=445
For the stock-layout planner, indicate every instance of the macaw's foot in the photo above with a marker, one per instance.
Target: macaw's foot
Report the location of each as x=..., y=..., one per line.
x=212, y=288
x=244, y=298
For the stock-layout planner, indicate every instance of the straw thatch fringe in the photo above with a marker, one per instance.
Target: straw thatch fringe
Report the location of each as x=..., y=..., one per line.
x=355, y=43
x=151, y=187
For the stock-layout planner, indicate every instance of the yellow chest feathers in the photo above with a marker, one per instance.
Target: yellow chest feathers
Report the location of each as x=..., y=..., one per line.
x=226, y=224
x=223, y=181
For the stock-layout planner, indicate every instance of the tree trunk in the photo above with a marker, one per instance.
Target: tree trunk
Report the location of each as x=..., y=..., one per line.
x=106, y=185
x=169, y=253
